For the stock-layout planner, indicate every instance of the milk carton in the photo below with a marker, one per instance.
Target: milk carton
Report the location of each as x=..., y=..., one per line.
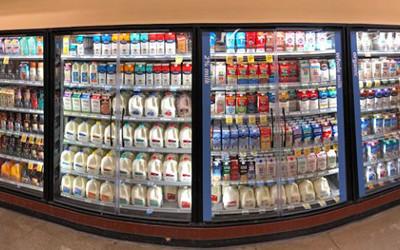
x=114, y=44
x=168, y=108
x=187, y=73
x=144, y=43
x=95, y=103
x=80, y=160
x=85, y=102
x=135, y=43
x=331, y=161
x=124, y=44
x=216, y=140
x=225, y=136
x=271, y=168
x=234, y=138
x=321, y=161
x=138, y=194
x=254, y=138
x=216, y=194
x=140, y=74
x=97, y=45
x=156, y=136
x=185, y=136
x=154, y=167
x=76, y=102
x=170, y=43
x=243, y=137
x=171, y=136
x=139, y=166
x=176, y=74
x=106, y=45
x=67, y=100
x=185, y=169
x=170, y=168
x=311, y=163
x=149, y=74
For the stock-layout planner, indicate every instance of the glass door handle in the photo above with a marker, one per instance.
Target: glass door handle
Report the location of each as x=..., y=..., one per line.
x=111, y=128
x=284, y=127
x=271, y=112
x=122, y=126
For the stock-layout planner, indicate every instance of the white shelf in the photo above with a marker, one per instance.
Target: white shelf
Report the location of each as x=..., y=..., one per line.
x=87, y=175
x=270, y=86
x=172, y=88
x=88, y=115
x=158, y=150
x=22, y=110
x=378, y=109
x=20, y=184
x=128, y=58
x=383, y=160
x=19, y=159
x=21, y=82
x=152, y=183
x=19, y=57
x=223, y=55
x=95, y=202
x=10, y=132
x=166, y=208
x=88, y=144
x=378, y=53
x=381, y=136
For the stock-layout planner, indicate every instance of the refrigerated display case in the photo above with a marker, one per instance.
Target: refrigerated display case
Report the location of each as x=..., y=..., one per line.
x=22, y=113
x=125, y=138
x=276, y=140
x=376, y=77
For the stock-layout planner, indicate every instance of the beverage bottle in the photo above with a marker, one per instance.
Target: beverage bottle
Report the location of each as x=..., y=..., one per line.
x=243, y=169
x=18, y=122
x=41, y=100
x=27, y=98
x=32, y=71
x=35, y=123
x=18, y=98
x=10, y=122
x=34, y=99
x=26, y=151
x=33, y=146
x=27, y=123
x=41, y=123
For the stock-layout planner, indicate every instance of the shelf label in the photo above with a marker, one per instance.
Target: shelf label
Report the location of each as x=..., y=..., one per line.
x=368, y=84
x=239, y=119
x=322, y=203
x=252, y=119
x=290, y=207
x=263, y=119
x=250, y=58
x=306, y=205
x=245, y=212
x=6, y=60
x=269, y=58
x=178, y=59
x=39, y=167
x=229, y=60
x=336, y=199
x=23, y=138
x=229, y=119
x=239, y=59
x=377, y=83
x=31, y=139
x=30, y=166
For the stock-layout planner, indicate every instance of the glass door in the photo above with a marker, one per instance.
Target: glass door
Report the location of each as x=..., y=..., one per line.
x=275, y=124
x=126, y=122
x=22, y=113
x=375, y=58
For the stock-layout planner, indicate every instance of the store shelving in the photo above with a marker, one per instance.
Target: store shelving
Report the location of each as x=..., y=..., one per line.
x=19, y=159
x=140, y=58
x=22, y=110
x=21, y=82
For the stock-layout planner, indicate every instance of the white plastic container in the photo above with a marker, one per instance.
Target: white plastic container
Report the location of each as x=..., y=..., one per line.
x=311, y=163
x=108, y=164
x=125, y=164
x=168, y=108
x=93, y=189
x=185, y=136
x=84, y=131
x=139, y=167
x=170, y=168
x=230, y=197
x=156, y=136
x=331, y=155
x=171, y=136
x=291, y=166
x=71, y=130
x=263, y=198
x=141, y=136
x=107, y=192
x=94, y=162
x=154, y=196
x=278, y=195
x=110, y=134
x=321, y=161
x=322, y=188
x=127, y=135
x=185, y=169
x=247, y=197
x=79, y=186
x=154, y=167
x=301, y=164
x=67, y=184
x=136, y=105
x=170, y=193
x=152, y=106
x=185, y=198
x=124, y=194
x=138, y=195
x=96, y=133
x=184, y=105
x=67, y=159
x=80, y=160
x=307, y=191
x=292, y=193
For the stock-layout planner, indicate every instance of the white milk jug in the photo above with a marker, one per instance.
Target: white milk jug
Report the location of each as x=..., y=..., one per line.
x=93, y=189
x=94, y=162
x=307, y=191
x=71, y=130
x=154, y=167
x=107, y=192
x=139, y=166
x=67, y=159
x=170, y=168
x=110, y=134
x=170, y=193
x=247, y=197
x=80, y=160
x=96, y=133
x=108, y=164
x=125, y=164
x=152, y=106
x=278, y=194
x=230, y=197
x=84, y=131
x=185, y=136
x=124, y=194
x=141, y=136
x=171, y=136
x=292, y=193
x=154, y=196
x=66, y=184
x=79, y=186
x=331, y=155
x=138, y=195
x=156, y=136
x=185, y=197
x=216, y=194
x=168, y=105
x=136, y=105
x=263, y=198
x=185, y=169
x=126, y=135
x=322, y=188
x=123, y=103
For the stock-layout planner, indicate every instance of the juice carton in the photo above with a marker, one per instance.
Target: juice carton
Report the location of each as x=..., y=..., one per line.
x=243, y=132
x=265, y=138
x=251, y=42
x=140, y=74
x=85, y=102
x=231, y=74
x=105, y=104
x=144, y=43
x=253, y=73
x=67, y=100
x=219, y=103
x=176, y=74
x=269, y=41
x=187, y=73
x=254, y=138
x=160, y=44
x=230, y=106
x=264, y=72
x=76, y=101
x=157, y=74
x=220, y=72
x=262, y=102
x=243, y=77
x=182, y=43
x=234, y=138
x=241, y=103
x=165, y=74
x=280, y=41
x=225, y=136
x=260, y=42
x=216, y=142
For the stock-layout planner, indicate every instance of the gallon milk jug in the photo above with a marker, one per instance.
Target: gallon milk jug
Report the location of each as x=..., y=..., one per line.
x=80, y=160
x=321, y=161
x=278, y=194
x=185, y=136
x=93, y=189
x=311, y=163
x=123, y=103
x=154, y=167
x=171, y=136
x=96, y=133
x=331, y=155
x=156, y=136
x=84, y=131
x=139, y=167
x=307, y=191
x=109, y=134
x=67, y=159
x=292, y=193
x=71, y=130
x=247, y=197
x=263, y=198
x=170, y=168
x=185, y=169
x=141, y=136
x=124, y=194
x=185, y=197
x=107, y=192
x=138, y=195
x=184, y=105
x=154, y=196
x=125, y=164
x=79, y=186
x=108, y=163
x=230, y=197
x=66, y=184
x=168, y=105
x=152, y=106
x=322, y=189
x=136, y=105
x=126, y=135
x=94, y=162
x=216, y=194
x=170, y=193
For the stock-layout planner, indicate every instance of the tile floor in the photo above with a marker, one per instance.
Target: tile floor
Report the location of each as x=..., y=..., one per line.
x=21, y=232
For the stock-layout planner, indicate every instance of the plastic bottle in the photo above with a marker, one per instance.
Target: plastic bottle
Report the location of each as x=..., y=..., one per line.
x=107, y=192
x=185, y=168
x=79, y=186
x=141, y=136
x=311, y=163
x=93, y=189
x=171, y=136
x=80, y=160
x=247, y=197
x=154, y=167
x=185, y=197
x=170, y=193
x=108, y=163
x=154, y=196
x=152, y=106
x=138, y=195
x=67, y=159
x=84, y=131
x=67, y=183
x=185, y=136
x=292, y=193
x=156, y=138
x=124, y=194
x=125, y=164
x=322, y=189
x=168, y=108
x=94, y=162
x=136, y=105
x=322, y=161
x=170, y=168
x=110, y=134
x=230, y=197
x=139, y=166
x=278, y=195
x=263, y=198
x=127, y=134
x=307, y=191
x=331, y=159
x=71, y=130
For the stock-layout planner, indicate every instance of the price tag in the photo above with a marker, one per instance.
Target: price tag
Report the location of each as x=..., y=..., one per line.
x=39, y=167
x=252, y=119
x=336, y=199
x=245, y=212
x=23, y=138
x=317, y=149
x=31, y=139
x=322, y=203
x=239, y=59
x=178, y=59
x=306, y=205
x=229, y=60
x=6, y=60
x=229, y=119
x=370, y=186
x=269, y=58
x=290, y=207
x=361, y=84
x=368, y=84
x=250, y=58
x=263, y=119
x=38, y=141
x=307, y=151
x=335, y=147
x=367, y=54
x=30, y=165
x=239, y=119
x=377, y=83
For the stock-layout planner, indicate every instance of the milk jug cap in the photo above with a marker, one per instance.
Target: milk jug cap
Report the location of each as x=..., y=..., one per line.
x=79, y=39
